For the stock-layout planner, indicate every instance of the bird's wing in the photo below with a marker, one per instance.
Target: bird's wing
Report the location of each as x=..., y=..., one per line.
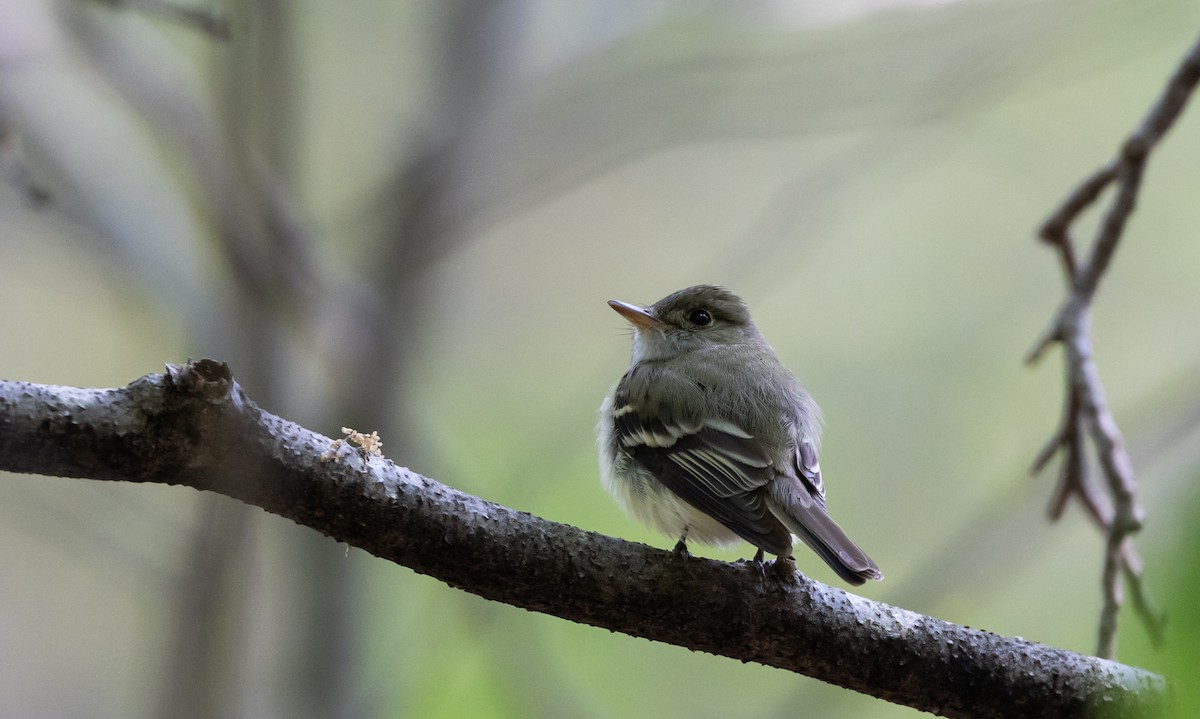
x=713, y=465
x=809, y=470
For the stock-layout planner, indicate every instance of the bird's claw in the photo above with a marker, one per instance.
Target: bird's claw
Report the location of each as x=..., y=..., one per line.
x=784, y=570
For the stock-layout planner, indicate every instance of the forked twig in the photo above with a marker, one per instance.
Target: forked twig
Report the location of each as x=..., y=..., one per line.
x=1087, y=414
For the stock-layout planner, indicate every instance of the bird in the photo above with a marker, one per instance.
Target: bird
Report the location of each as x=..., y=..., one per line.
x=709, y=437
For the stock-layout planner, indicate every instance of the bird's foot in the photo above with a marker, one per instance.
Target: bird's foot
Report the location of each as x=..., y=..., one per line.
x=681, y=551
x=758, y=563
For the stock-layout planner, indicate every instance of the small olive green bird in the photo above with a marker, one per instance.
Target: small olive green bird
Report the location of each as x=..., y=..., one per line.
x=709, y=437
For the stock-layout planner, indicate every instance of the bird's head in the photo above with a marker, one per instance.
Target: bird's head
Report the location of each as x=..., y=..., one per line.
x=690, y=319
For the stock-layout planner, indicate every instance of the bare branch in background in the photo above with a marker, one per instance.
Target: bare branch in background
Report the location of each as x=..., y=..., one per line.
x=1087, y=414
x=196, y=427
x=14, y=169
x=209, y=21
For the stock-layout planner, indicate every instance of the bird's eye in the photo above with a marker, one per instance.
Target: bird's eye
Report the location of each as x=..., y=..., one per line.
x=700, y=317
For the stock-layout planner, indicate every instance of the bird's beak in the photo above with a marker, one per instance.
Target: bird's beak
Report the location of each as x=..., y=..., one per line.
x=640, y=318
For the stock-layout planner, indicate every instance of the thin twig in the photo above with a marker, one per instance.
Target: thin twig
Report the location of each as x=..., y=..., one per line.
x=1073, y=480
x=1087, y=415
x=1153, y=618
x=1113, y=596
x=1055, y=230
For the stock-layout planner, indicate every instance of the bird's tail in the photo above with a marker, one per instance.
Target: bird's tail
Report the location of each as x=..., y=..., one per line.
x=806, y=517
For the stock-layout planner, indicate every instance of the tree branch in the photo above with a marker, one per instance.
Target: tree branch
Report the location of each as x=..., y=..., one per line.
x=1086, y=403
x=194, y=426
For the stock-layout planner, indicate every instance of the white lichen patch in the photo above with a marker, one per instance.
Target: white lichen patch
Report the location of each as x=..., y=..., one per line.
x=367, y=444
